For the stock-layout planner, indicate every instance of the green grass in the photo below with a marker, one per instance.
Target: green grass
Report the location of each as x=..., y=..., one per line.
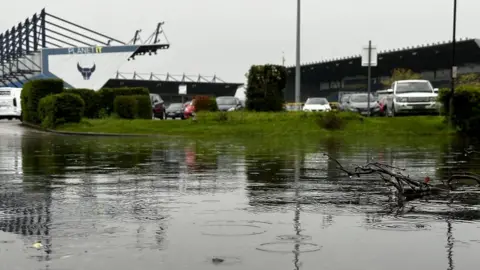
x=248, y=124
x=283, y=131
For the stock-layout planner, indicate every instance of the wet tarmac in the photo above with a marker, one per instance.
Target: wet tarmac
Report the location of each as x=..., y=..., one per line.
x=111, y=203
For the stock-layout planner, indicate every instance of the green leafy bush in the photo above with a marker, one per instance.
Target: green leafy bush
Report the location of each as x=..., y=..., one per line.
x=31, y=94
x=205, y=103
x=144, y=107
x=107, y=96
x=126, y=107
x=266, y=84
x=57, y=109
x=443, y=98
x=330, y=121
x=91, y=99
x=466, y=109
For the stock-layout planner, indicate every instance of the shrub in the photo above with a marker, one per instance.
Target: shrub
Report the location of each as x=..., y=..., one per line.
x=144, y=107
x=31, y=94
x=443, y=98
x=126, y=107
x=107, y=96
x=57, y=109
x=334, y=120
x=205, y=103
x=265, y=89
x=466, y=109
x=91, y=99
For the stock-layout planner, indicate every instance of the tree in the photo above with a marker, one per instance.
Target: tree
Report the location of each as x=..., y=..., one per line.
x=401, y=74
x=468, y=79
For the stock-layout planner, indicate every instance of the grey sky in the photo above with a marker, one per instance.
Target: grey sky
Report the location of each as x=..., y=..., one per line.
x=227, y=36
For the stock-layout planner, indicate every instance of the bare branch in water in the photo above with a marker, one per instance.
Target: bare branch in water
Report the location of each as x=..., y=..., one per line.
x=407, y=188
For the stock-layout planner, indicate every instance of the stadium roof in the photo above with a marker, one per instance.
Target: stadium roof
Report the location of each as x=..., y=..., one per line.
x=433, y=56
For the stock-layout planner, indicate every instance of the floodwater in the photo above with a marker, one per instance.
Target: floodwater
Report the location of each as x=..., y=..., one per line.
x=131, y=203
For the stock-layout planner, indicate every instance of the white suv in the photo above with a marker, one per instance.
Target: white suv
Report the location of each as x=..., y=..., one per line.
x=412, y=96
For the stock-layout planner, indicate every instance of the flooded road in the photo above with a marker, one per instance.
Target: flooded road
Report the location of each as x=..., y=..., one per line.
x=131, y=203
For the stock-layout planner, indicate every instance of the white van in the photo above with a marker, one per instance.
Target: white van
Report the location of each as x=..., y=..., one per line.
x=10, y=105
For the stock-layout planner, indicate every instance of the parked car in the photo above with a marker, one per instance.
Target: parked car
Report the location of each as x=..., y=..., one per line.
x=343, y=102
x=189, y=110
x=412, y=96
x=382, y=102
x=229, y=103
x=317, y=104
x=359, y=103
x=175, y=110
x=158, y=106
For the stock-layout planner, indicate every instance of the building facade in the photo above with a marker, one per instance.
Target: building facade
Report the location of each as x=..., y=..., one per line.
x=433, y=62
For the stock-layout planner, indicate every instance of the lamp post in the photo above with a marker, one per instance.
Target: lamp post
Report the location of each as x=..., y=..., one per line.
x=297, y=67
x=454, y=68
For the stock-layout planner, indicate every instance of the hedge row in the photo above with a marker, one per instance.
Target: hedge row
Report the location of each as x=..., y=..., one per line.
x=466, y=109
x=60, y=108
x=134, y=106
x=33, y=92
x=46, y=102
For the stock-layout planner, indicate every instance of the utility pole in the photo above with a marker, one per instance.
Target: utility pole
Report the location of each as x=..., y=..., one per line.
x=297, y=67
x=454, y=68
x=283, y=58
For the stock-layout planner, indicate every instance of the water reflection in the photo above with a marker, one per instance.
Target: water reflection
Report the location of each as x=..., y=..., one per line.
x=107, y=203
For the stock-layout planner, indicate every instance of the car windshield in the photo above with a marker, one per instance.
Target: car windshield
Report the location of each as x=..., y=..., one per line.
x=361, y=98
x=409, y=87
x=175, y=106
x=155, y=98
x=317, y=101
x=226, y=101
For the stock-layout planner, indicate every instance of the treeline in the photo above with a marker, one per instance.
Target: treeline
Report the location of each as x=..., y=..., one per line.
x=45, y=102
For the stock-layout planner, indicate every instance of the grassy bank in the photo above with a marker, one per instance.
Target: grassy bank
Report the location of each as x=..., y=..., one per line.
x=270, y=125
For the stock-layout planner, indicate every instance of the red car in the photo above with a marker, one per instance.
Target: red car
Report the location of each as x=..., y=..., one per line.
x=382, y=101
x=189, y=109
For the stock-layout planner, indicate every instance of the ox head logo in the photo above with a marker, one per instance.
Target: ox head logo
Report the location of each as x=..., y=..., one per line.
x=86, y=72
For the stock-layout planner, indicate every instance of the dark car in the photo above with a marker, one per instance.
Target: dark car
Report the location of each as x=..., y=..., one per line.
x=175, y=110
x=229, y=104
x=359, y=103
x=158, y=106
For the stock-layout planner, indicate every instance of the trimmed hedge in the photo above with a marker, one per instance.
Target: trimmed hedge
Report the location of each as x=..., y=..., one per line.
x=144, y=107
x=266, y=84
x=126, y=107
x=32, y=92
x=466, y=109
x=91, y=99
x=205, y=103
x=107, y=96
x=444, y=95
x=134, y=106
x=60, y=108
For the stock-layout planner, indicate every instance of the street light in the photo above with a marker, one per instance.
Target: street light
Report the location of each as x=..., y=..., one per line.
x=297, y=67
x=454, y=68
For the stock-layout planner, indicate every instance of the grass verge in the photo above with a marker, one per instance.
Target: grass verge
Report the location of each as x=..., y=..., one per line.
x=271, y=125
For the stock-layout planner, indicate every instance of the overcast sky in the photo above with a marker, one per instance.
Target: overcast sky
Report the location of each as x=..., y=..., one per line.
x=227, y=36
